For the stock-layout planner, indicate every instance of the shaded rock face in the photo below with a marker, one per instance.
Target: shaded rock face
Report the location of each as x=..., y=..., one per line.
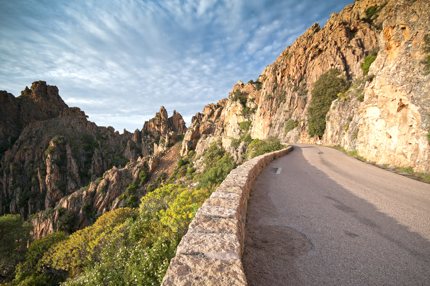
x=49, y=151
x=384, y=116
x=81, y=207
x=54, y=157
x=117, y=187
x=38, y=103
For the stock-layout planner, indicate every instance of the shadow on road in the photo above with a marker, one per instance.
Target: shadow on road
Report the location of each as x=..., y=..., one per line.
x=273, y=244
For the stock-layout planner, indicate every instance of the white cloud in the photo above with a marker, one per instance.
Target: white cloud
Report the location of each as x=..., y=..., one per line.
x=120, y=60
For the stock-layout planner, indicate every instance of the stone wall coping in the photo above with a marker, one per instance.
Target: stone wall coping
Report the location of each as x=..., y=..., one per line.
x=210, y=253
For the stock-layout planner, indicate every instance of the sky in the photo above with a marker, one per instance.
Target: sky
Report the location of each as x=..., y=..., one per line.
x=120, y=60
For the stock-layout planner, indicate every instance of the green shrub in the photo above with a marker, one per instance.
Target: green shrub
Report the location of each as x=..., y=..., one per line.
x=235, y=142
x=258, y=147
x=426, y=50
x=258, y=85
x=184, y=169
x=247, y=112
x=66, y=220
x=144, y=174
x=30, y=272
x=325, y=90
x=244, y=126
x=218, y=165
x=371, y=12
x=368, y=60
x=81, y=249
x=130, y=197
x=290, y=125
x=283, y=97
x=135, y=249
x=240, y=96
x=14, y=233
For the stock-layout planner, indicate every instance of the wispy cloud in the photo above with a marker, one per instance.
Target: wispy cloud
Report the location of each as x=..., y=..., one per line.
x=120, y=60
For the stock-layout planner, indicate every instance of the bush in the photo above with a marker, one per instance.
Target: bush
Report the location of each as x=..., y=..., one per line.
x=29, y=272
x=426, y=50
x=290, y=125
x=218, y=164
x=144, y=174
x=130, y=196
x=82, y=248
x=14, y=233
x=371, y=12
x=66, y=220
x=258, y=147
x=216, y=173
x=325, y=90
x=240, y=96
x=184, y=168
x=140, y=252
x=244, y=126
x=258, y=85
x=283, y=97
x=368, y=60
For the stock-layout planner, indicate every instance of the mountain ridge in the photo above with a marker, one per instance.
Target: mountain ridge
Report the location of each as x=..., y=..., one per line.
x=370, y=121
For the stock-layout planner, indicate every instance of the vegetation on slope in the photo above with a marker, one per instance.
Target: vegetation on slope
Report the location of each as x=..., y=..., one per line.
x=426, y=49
x=259, y=147
x=325, y=90
x=290, y=124
x=14, y=234
x=218, y=164
x=130, y=246
x=368, y=61
x=123, y=247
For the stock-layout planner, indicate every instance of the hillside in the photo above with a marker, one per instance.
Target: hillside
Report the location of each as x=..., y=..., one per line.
x=120, y=203
x=379, y=108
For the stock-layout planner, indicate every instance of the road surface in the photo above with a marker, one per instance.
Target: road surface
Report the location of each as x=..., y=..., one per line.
x=319, y=217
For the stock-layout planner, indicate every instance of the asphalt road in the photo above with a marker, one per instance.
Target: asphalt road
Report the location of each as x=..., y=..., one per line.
x=319, y=217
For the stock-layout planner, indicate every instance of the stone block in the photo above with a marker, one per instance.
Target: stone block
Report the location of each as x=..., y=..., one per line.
x=190, y=270
x=222, y=246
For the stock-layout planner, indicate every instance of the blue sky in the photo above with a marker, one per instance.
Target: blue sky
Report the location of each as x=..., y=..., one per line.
x=120, y=60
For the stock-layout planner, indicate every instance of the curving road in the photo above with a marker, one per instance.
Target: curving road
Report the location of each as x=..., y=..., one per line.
x=319, y=217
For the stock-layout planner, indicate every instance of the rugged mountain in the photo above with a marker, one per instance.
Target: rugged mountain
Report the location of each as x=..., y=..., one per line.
x=41, y=102
x=51, y=150
x=383, y=116
x=118, y=187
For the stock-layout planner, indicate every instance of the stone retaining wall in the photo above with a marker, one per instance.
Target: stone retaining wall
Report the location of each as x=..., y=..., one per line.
x=211, y=251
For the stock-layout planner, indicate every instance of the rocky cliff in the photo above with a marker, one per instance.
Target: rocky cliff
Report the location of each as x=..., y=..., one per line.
x=50, y=152
x=381, y=49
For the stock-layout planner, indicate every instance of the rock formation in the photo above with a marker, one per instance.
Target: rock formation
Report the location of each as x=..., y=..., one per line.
x=49, y=152
x=367, y=117
x=54, y=160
